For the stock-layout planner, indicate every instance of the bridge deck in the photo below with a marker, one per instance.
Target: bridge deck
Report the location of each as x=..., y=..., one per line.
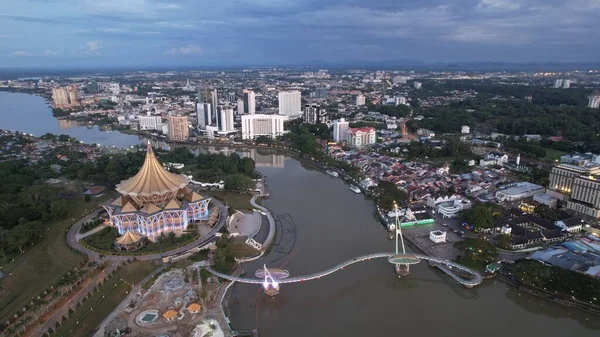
x=475, y=280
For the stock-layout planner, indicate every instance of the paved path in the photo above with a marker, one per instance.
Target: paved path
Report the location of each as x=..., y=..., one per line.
x=271, y=235
x=95, y=230
x=73, y=241
x=447, y=266
x=58, y=314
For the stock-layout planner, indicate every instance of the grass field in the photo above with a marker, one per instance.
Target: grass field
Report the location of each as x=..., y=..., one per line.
x=552, y=154
x=233, y=199
x=43, y=264
x=87, y=317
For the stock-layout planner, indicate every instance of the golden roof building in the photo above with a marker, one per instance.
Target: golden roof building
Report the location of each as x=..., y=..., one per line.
x=155, y=202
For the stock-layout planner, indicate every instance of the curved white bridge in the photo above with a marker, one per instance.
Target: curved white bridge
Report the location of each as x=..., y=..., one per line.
x=448, y=267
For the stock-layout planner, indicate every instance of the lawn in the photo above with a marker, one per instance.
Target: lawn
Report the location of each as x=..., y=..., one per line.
x=50, y=258
x=83, y=322
x=233, y=199
x=552, y=154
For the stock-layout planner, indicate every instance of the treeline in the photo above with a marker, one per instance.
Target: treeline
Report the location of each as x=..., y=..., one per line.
x=26, y=204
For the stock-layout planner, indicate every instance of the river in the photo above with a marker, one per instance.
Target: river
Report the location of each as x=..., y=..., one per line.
x=324, y=223
x=321, y=223
x=30, y=113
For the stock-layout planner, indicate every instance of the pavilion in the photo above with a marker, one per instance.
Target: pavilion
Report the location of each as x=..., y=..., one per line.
x=130, y=241
x=155, y=202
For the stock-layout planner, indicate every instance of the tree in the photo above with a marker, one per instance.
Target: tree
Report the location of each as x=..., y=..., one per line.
x=238, y=182
x=504, y=241
x=477, y=251
x=480, y=216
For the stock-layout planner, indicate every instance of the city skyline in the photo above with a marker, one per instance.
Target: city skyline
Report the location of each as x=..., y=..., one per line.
x=185, y=33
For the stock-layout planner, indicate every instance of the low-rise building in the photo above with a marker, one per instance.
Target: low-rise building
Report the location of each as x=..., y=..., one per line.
x=437, y=236
x=519, y=191
x=359, y=137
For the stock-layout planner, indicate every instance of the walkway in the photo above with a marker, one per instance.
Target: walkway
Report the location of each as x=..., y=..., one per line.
x=271, y=235
x=476, y=278
x=73, y=241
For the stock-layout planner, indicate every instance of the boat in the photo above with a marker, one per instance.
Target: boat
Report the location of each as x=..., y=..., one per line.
x=355, y=189
x=332, y=173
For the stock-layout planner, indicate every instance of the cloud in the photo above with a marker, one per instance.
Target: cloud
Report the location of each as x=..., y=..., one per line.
x=20, y=53
x=51, y=52
x=92, y=46
x=497, y=5
x=190, y=49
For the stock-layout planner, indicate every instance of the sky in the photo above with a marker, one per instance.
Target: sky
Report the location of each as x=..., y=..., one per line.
x=84, y=33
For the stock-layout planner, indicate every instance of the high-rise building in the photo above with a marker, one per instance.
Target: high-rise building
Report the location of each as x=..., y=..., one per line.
x=562, y=177
x=358, y=137
x=93, y=86
x=566, y=84
x=262, y=125
x=178, y=128
x=240, y=106
x=360, y=100
x=73, y=95
x=594, y=100
x=340, y=127
x=214, y=100
x=231, y=97
x=150, y=123
x=558, y=83
x=313, y=114
x=321, y=93
x=204, y=113
x=249, y=102
x=115, y=88
x=417, y=85
x=585, y=197
x=225, y=119
x=60, y=96
x=290, y=103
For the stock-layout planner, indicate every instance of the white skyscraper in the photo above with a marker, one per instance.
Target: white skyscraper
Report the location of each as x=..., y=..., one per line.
x=240, y=106
x=290, y=103
x=340, y=127
x=150, y=123
x=249, y=102
x=262, y=125
x=594, y=100
x=360, y=100
x=204, y=114
x=313, y=114
x=225, y=119
x=417, y=85
x=566, y=84
x=558, y=83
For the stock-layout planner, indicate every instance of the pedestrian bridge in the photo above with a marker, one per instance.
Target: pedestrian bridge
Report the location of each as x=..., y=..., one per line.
x=472, y=278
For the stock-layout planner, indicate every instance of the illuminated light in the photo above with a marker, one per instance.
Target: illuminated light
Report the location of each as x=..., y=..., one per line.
x=275, y=285
x=266, y=285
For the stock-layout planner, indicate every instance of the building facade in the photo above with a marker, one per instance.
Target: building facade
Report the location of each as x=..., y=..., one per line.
x=249, y=102
x=155, y=202
x=313, y=114
x=225, y=119
x=360, y=100
x=150, y=123
x=60, y=96
x=178, y=128
x=358, y=137
x=585, y=196
x=290, y=103
x=562, y=177
x=204, y=114
x=321, y=93
x=340, y=127
x=262, y=125
x=594, y=100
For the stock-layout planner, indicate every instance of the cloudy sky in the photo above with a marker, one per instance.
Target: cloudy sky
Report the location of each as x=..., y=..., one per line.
x=243, y=32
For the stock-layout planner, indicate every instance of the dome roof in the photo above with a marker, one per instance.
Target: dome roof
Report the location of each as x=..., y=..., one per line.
x=152, y=179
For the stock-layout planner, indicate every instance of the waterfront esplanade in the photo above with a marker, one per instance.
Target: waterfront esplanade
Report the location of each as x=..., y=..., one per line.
x=155, y=201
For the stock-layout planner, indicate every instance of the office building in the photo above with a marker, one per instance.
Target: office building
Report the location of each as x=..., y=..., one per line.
x=313, y=114
x=321, y=93
x=225, y=119
x=290, y=103
x=562, y=177
x=358, y=137
x=178, y=128
x=214, y=100
x=93, y=87
x=585, y=196
x=558, y=83
x=150, y=123
x=240, y=106
x=73, y=95
x=417, y=85
x=204, y=113
x=594, y=100
x=262, y=125
x=360, y=100
x=231, y=97
x=566, y=84
x=340, y=127
x=114, y=88
x=60, y=96
x=249, y=102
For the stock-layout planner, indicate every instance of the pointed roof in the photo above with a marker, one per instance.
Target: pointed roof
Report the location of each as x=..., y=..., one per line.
x=150, y=208
x=173, y=204
x=193, y=197
x=170, y=314
x=129, y=238
x=194, y=307
x=128, y=208
x=152, y=179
